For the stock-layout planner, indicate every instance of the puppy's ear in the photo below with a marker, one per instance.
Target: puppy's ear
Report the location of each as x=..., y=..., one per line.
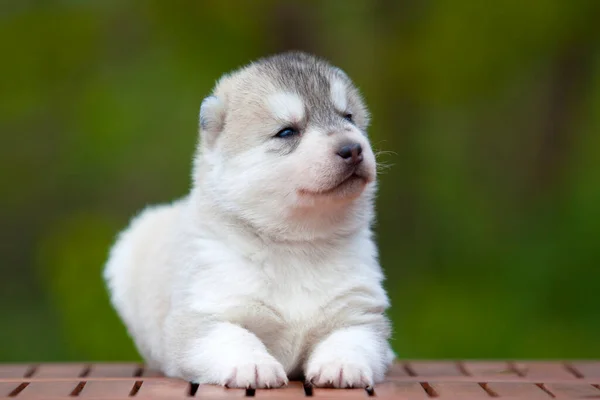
x=212, y=119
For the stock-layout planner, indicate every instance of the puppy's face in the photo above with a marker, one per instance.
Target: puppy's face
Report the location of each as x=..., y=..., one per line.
x=284, y=138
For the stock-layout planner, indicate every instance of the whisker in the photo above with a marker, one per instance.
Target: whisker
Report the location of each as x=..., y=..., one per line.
x=385, y=152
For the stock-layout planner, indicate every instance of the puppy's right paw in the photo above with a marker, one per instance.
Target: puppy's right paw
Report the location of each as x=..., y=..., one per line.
x=340, y=375
x=264, y=373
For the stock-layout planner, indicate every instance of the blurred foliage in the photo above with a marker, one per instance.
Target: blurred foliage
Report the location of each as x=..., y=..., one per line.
x=488, y=220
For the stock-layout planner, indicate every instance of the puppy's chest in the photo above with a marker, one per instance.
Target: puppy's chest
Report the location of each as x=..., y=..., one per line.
x=295, y=300
x=295, y=297
x=288, y=319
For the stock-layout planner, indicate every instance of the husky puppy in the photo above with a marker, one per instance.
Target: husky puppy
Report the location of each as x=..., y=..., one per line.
x=267, y=269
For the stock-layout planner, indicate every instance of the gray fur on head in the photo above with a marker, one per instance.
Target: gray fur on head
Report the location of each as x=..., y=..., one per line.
x=308, y=76
x=311, y=78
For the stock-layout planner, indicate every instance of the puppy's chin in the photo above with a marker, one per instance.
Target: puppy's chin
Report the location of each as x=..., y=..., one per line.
x=349, y=189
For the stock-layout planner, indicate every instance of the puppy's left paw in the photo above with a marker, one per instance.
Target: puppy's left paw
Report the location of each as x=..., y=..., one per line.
x=339, y=374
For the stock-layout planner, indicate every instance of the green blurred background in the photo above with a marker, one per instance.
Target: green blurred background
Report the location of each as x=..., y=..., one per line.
x=489, y=112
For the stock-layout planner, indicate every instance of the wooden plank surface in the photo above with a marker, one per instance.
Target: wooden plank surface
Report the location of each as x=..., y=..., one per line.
x=574, y=390
x=293, y=390
x=488, y=369
x=400, y=390
x=14, y=370
x=457, y=389
x=107, y=388
x=544, y=370
x=60, y=371
x=210, y=391
x=326, y=393
x=588, y=369
x=513, y=389
x=433, y=368
x=48, y=389
x=121, y=370
x=165, y=388
x=6, y=388
x=414, y=380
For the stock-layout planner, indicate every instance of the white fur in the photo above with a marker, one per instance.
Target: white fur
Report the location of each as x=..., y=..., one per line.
x=338, y=95
x=286, y=106
x=245, y=282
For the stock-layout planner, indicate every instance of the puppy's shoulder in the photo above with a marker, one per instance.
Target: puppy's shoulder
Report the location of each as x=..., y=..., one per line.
x=154, y=219
x=148, y=227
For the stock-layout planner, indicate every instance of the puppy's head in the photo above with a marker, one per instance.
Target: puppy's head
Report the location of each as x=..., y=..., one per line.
x=284, y=147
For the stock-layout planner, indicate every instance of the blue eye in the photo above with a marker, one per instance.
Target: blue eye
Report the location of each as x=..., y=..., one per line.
x=348, y=117
x=286, y=132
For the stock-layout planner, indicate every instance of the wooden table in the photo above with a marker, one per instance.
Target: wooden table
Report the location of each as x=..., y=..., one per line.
x=464, y=380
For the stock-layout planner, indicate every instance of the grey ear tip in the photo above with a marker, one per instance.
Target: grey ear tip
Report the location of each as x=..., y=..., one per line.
x=341, y=72
x=209, y=99
x=206, y=102
x=210, y=117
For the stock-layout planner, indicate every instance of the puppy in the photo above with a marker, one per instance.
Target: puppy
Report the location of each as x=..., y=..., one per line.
x=267, y=270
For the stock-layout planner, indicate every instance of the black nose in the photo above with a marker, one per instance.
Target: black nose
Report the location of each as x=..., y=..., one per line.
x=351, y=153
